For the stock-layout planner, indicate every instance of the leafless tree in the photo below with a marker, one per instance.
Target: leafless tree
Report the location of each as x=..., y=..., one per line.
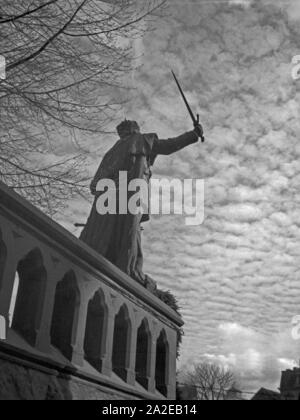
x=66, y=63
x=210, y=381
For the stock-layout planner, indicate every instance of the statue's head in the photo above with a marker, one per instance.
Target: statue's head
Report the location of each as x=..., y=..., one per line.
x=128, y=127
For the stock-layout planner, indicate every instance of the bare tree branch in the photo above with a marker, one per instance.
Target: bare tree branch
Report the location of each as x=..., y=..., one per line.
x=212, y=382
x=68, y=62
x=49, y=41
x=27, y=13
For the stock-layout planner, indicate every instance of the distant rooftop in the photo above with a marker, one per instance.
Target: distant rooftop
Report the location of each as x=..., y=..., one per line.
x=266, y=395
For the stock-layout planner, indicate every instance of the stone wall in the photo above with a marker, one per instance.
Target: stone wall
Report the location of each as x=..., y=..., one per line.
x=67, y=308
x=20, y=380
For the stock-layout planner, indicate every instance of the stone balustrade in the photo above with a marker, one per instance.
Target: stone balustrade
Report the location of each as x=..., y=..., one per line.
x=68, y=311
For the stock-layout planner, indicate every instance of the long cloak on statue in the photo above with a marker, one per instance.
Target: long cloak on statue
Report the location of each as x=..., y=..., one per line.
x=116, y=236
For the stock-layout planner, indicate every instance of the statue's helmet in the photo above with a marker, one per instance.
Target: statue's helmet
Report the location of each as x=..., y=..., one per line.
x=128, y=127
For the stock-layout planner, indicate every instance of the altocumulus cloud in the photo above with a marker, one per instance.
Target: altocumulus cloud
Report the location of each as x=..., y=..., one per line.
x=237, y=275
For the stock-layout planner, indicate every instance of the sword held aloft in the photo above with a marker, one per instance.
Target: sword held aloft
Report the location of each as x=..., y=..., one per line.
x=196, y=121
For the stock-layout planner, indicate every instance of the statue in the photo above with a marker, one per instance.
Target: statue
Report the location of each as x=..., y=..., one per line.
x=118, y=236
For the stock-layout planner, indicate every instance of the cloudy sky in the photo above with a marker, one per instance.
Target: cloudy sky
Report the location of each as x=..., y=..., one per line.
x=236, y=276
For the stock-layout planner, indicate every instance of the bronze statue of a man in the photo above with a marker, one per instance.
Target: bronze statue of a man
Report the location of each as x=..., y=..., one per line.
x=118, y=236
